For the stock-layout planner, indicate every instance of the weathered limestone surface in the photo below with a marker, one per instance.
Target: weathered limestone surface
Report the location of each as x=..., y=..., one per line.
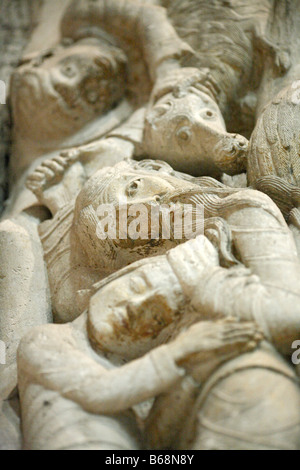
x=149, y=248
x=16, y=23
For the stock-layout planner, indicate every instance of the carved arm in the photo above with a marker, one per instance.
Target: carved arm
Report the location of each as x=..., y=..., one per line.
x=152, y=29
x=52, y=356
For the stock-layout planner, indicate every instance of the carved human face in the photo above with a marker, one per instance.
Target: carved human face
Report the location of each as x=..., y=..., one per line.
x=57, y=93
x=135, y=187
x=144, y=313
x=189, y=133
x=143, y=187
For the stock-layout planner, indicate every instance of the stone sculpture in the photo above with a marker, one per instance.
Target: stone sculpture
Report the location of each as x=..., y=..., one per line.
x=111, y=330
x=161, y=341
x=63, y=78
x=63, y=83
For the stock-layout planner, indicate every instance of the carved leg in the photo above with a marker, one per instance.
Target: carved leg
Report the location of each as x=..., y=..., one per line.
x=237, y=414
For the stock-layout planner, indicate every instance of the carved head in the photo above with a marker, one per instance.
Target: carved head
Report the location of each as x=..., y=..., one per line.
x=154, y=301
x=56, y=93
x=185, y=128
x=151, y=184
x=145, y=313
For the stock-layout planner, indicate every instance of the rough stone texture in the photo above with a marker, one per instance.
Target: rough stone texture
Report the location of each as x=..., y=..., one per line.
x=16, y=22
x=178, y=340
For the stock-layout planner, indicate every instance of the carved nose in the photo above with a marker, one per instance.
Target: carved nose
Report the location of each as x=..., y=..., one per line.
x=239, y=145
x=231, y=153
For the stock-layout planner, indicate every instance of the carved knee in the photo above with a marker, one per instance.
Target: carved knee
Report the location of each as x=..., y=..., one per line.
x=252, y=409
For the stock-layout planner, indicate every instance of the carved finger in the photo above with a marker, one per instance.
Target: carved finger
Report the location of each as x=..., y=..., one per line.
x=33, y=186
x=240, y=328
x=61, y=161
x=236, y=339
x=49, y=174
x=36, y=176
x=54, y=166
x=241, y=338
x=71, y=155
x=237, y=348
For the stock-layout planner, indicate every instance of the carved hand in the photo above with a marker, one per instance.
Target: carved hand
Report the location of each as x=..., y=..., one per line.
x=207, y=344
x=58, y=180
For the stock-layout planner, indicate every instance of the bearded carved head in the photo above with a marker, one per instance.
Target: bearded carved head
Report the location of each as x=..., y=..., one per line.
x=56, y=93
x=151, y=185
x=146, y=186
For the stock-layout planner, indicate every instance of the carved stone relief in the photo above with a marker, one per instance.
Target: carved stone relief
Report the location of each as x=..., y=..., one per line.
x=149, y=263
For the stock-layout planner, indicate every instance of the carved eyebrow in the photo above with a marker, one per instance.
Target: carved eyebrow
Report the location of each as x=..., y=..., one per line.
x=163, y=103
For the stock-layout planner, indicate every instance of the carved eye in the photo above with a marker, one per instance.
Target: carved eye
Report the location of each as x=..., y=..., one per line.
x=48, y=54
x=133, y=187
x=209, y=114
x=184, y=133
x=69, y=70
